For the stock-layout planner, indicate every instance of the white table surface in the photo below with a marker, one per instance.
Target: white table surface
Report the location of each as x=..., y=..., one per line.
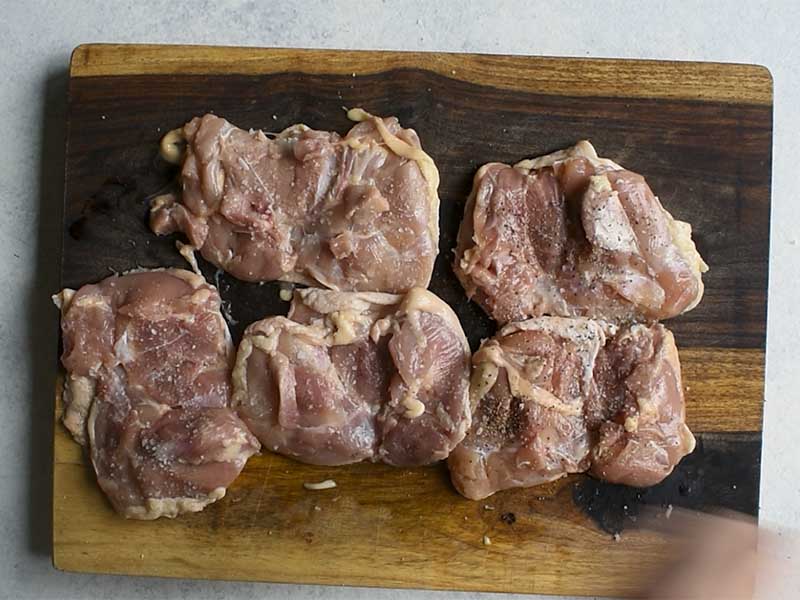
x=36, y=38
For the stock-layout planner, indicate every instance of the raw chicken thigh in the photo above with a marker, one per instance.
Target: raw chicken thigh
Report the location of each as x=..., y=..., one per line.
x=553, y=396
x=148, y=359
x=354, y=376
x=354, y=213
x=638, y=413
x=572, y=234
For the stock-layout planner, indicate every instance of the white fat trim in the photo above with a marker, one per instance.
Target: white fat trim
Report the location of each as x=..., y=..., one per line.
x=632, y=424
x=350, y=316
x=466, y=262
x=63, y=299
x=414, y=407
x=196, y=280
x=91, y=301
x=78, y=397
x=345, y=326
x=380, y=328
x=187, y=252
x=234, y=450
x=265, y=334
x=327, y=301
x=291, y=131
x=582, y=149
x=200, y=296
x=484, y=376
x=599, y=183
x=239, y=373
x=268, y=344
x=322, y=485
x=173, y=146
x=90, y=423
x=154, y=508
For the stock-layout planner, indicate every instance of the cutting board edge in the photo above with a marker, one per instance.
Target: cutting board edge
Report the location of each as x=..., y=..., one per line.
x=372, y=583
x=61, y=562
x=644, y=78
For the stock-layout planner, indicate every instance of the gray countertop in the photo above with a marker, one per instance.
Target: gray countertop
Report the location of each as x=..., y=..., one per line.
x=36, y=38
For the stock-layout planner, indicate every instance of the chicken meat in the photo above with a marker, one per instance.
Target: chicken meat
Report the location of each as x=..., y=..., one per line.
x=148, y=359
x=553, y=396
x=353, y=213
x=352, y=376
x=571, y=234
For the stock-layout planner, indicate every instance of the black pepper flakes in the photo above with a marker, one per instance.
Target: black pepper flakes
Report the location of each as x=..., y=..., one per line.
x=508, y=518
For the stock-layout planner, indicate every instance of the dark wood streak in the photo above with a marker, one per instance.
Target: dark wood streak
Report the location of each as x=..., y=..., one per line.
x=708, y=162
x=724, y=471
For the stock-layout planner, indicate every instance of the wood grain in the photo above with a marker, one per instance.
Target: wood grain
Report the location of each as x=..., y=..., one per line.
x=383, y=526
x=700, y=133
x=724, y=388
x=563, y=76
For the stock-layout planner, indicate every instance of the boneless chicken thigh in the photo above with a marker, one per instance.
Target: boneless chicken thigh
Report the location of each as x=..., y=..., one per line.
x=572, y=234
x=356, y=376
x=148, y=359
x=638, y=412
x=358, y=212
x=554, y=395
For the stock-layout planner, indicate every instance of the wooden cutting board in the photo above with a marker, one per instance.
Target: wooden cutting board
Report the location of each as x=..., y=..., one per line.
x=702, y=135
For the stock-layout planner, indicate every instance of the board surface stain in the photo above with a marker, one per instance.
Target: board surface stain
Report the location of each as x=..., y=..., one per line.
x=704, y=146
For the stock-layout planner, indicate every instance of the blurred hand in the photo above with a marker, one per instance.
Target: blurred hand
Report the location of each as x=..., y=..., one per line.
x=719, y=556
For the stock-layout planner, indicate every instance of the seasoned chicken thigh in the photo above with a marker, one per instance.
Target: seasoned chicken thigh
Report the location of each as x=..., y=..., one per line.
x=148, y=359
x=553, y=396
x=639, y=412
x=354, y=376
x=572, y=234
x=354, y=213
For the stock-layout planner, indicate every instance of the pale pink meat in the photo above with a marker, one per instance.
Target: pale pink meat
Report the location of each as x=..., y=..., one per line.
x=554, y=396
x=644, y=433
x=353, y=213
x=148, y=359
x=572, y=234
x=356, y=376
